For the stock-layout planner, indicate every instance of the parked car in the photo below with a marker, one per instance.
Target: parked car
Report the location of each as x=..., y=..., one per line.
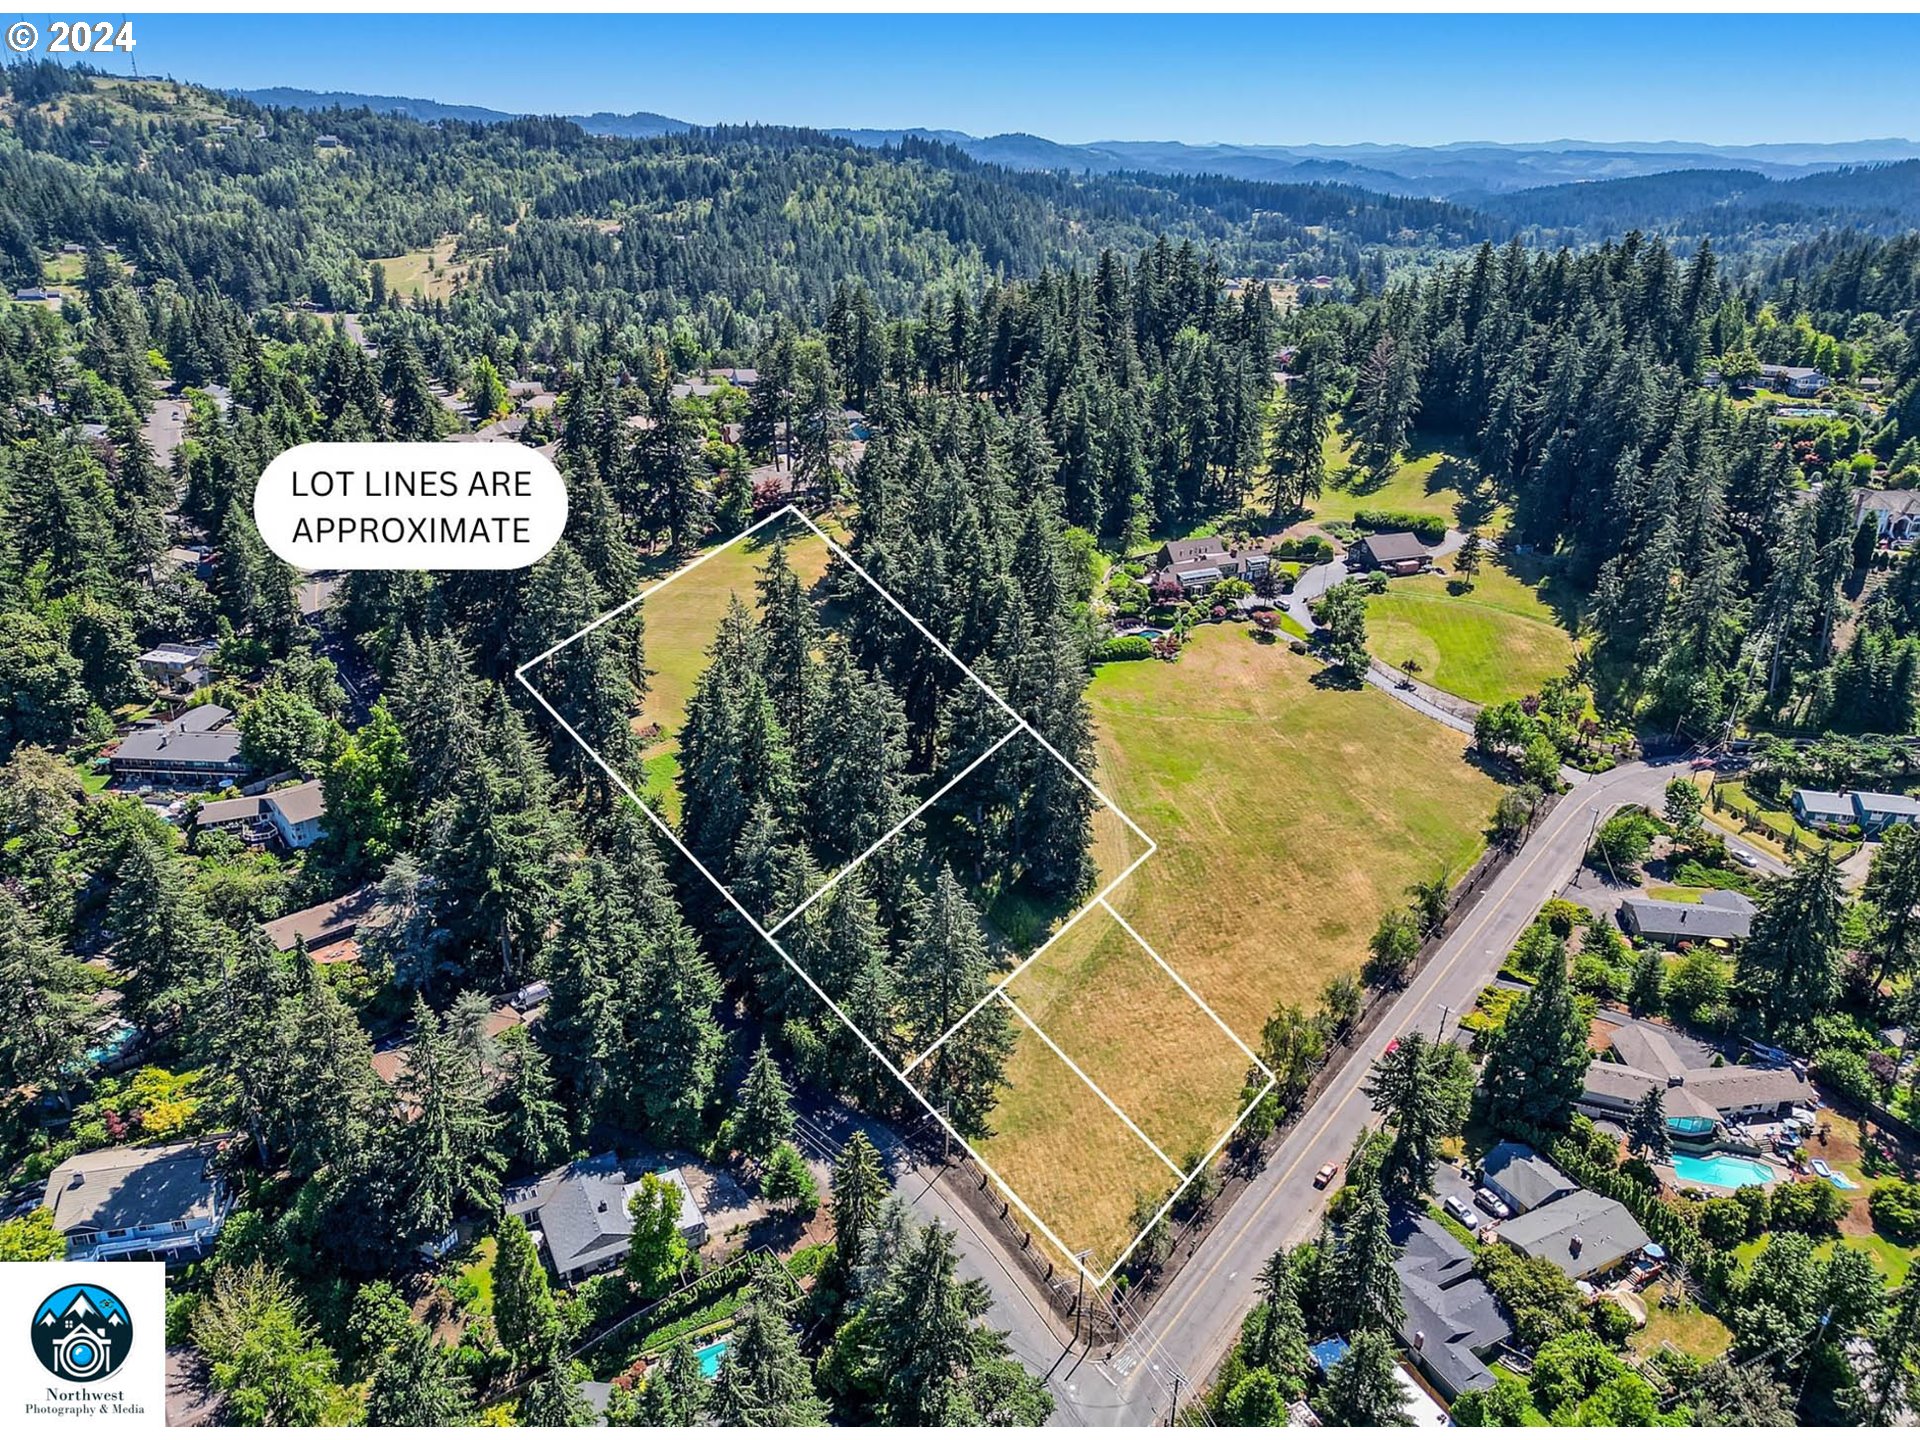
x=1491, y=1203
x=1458, y=1207
x=1323, y=1177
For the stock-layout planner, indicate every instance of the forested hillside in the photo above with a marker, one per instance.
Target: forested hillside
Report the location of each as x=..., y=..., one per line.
x=1003, y=390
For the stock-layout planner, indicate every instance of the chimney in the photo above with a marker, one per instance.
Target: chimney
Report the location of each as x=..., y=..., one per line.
x=1573, y=1246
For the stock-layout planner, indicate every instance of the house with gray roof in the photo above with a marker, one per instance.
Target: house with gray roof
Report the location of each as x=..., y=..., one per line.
x=1452, y=1320
x=1716, y=915
x=1698, y=1097
x=1585, y=1234
x=1522, y=1178
x=579, y=1217
x=144, y=1202
x=201, y=748
x=1822, y=807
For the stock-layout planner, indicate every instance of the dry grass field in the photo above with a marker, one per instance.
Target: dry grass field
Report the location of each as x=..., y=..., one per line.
x=1288, y=817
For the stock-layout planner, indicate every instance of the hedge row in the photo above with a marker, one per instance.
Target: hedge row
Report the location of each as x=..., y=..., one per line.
x=1123, y=647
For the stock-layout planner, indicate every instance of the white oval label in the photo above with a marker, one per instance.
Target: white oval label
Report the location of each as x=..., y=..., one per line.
x=435, y=505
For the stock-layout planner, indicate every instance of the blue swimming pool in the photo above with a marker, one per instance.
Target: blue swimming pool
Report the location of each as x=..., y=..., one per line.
x=1728, y=1172
x=709, y=1357
x=1149, y=634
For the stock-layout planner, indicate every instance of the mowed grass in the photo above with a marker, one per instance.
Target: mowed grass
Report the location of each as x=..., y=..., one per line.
x=1498, y=641
x=1428, y=480
x=1288, y=815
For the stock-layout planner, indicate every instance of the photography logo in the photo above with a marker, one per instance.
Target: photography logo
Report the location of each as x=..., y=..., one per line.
x=82, y=1333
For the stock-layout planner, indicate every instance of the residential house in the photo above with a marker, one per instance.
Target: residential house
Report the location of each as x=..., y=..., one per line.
x=579, y=1217
x=1799, y=381
x=200, y=559
x=1698, y=1097
x=1195, y=565
x=328, y=142
x=178, y=665
x=1717, y=915
x=1822, y=807
x=1875, y=810
x=330, y=929
x=1521, y=1178
x=1397, y=552
x=1872, y=810
x=199, y=749
x=1585, y=1234
x=295, y=816
x=148, y=1202
x=1452, y=1322
x=36, y=295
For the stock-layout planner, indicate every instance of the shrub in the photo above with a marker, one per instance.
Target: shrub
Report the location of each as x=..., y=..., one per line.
x=1610, y=1321
x=1845, y=1074
x=1123, y=647
x=1895, y=1207
x=1811, y=1206
x=1430, y=530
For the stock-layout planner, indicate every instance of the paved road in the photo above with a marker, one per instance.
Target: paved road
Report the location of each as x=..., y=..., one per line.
x=1191, y=1326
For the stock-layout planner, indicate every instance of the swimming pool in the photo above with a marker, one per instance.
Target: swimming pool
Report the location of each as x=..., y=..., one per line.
x=1728, y=1172
x=709, y=1357
x=1149, y=634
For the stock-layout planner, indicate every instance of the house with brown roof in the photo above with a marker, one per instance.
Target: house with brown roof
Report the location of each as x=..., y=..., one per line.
x=1397, y=552
x=1198, y=563
x=330, y=928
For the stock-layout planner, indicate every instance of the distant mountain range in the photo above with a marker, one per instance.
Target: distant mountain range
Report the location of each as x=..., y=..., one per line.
x=1470, y=172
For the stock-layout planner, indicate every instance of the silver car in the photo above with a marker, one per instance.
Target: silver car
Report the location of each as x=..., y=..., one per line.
x=1459, y=1209
x=1491, y=1203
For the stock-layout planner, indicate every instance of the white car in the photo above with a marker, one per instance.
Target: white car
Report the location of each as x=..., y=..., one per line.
x=1458, y=1207
x=1744, y=857
x=1491, y=1203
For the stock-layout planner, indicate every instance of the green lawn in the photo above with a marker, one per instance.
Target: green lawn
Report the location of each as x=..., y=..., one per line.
x=1498, y=641
x=1429, y=480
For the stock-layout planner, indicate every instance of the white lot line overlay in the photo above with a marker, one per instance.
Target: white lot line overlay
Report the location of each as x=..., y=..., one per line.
x=874, y=848
x=898, y=1073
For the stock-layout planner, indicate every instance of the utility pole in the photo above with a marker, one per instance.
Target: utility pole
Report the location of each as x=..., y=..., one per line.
x=1080, y=1300
x=1173, y=1416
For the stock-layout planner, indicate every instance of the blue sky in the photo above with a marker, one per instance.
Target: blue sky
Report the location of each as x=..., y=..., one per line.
x=1252, y=79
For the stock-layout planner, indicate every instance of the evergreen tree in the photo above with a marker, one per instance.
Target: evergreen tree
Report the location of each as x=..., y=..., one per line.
x=1537, y=1065
x=448, y=1144
x=675, y=1392
x=1364, y=1290
x=524, y=1314
x=859, y=1185
x=944, y=971
x=1647, y=1135
x=1789, y=964
x=1274, y=1335
x=764, y=1378
x=1363, y=1388
x=46, y=1014
x=554, y=1399
x=1424, y=1089
x=414, y=1385
x=763, y=1115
